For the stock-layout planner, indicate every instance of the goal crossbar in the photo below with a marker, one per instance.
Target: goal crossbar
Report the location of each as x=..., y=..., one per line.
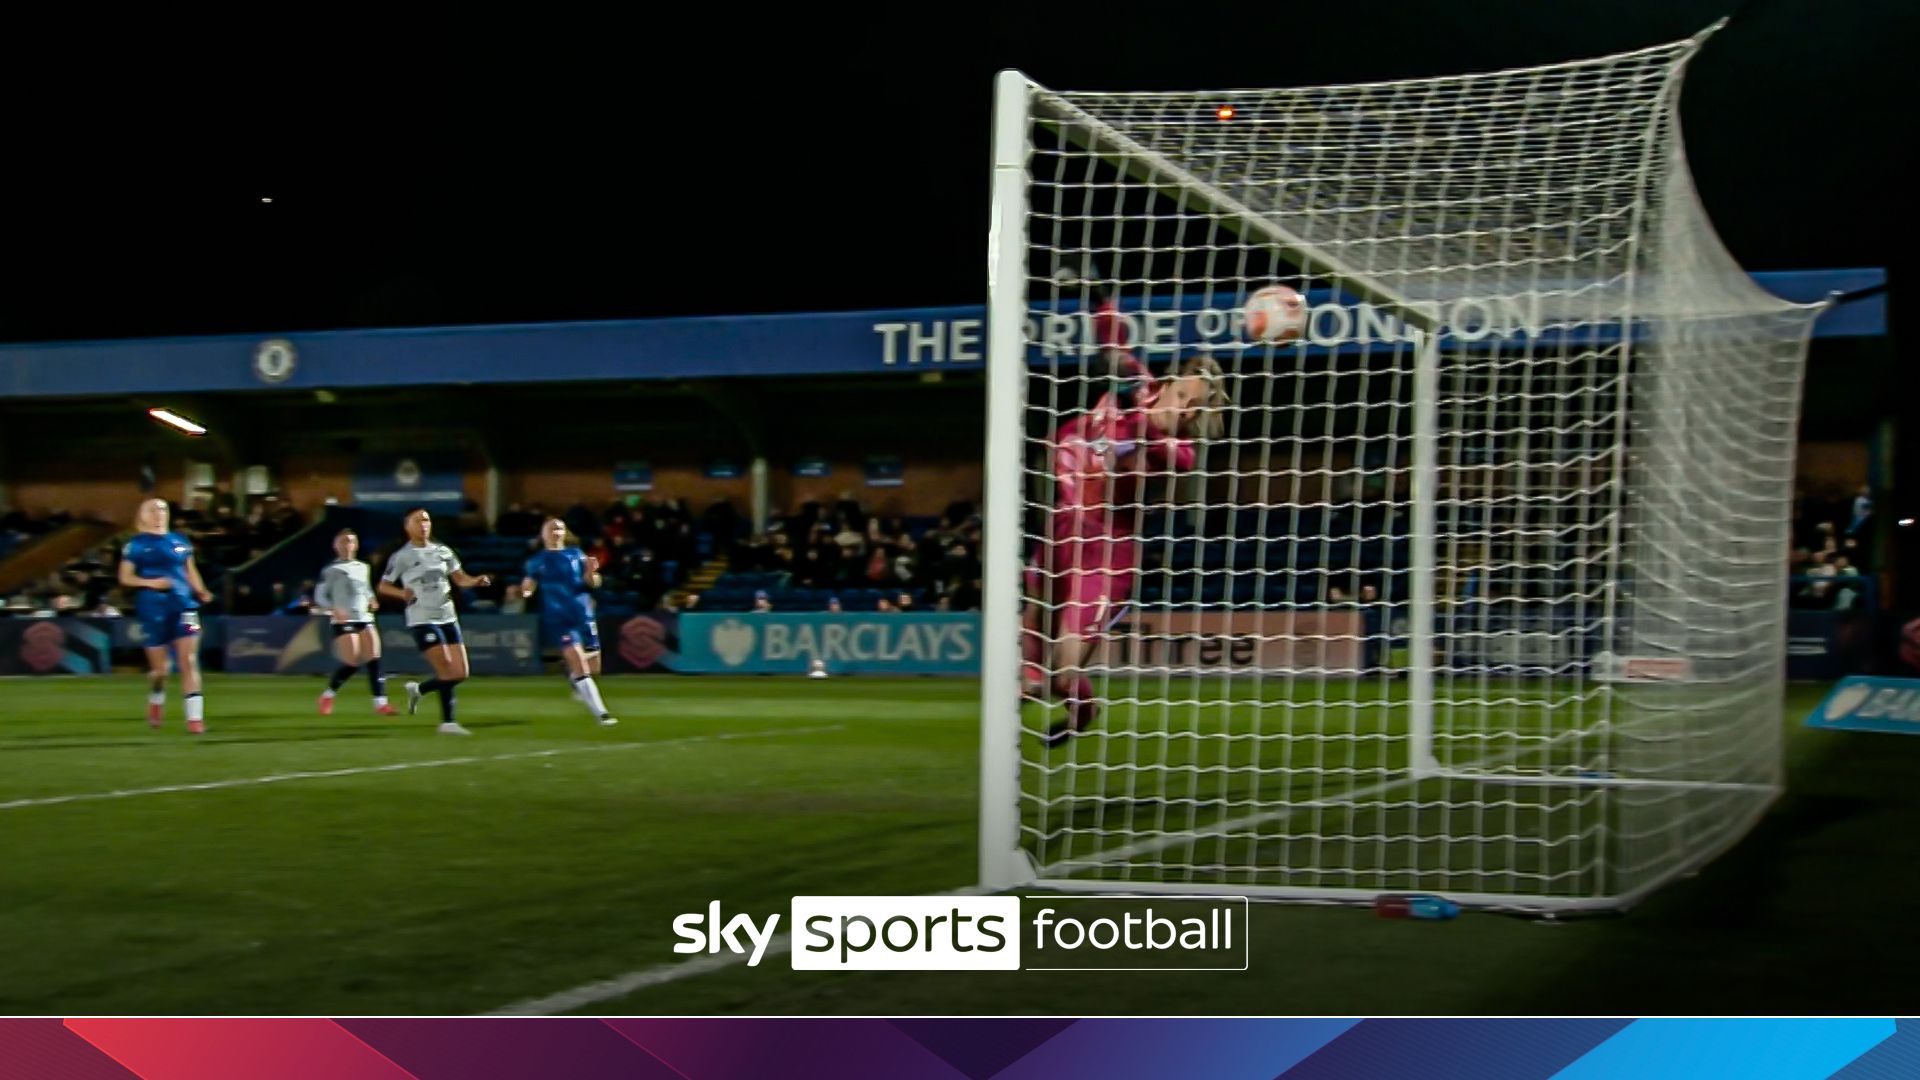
x=1082, y=128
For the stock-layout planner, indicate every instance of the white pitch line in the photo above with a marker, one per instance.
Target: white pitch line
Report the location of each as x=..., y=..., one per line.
x=660, y=974
x=400, y=766
x=580, y=997
x=1166, y=840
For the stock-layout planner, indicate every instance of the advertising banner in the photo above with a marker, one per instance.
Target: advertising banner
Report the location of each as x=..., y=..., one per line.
x=1827, y=644
x=641, y=644
x=1271, y=641
x=768, y=643
x=296, y=645
x=54, y=646
x=400, y=482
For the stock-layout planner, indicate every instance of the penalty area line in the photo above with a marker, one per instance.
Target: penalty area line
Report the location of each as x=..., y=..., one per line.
x=402, y=766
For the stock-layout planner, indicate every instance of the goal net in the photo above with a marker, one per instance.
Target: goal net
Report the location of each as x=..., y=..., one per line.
x=1479, y=586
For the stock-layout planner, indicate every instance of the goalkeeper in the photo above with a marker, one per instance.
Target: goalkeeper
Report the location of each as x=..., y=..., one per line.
x=1080, y=578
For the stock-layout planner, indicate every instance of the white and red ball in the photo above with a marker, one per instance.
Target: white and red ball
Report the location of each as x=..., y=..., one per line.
x=1275, y=313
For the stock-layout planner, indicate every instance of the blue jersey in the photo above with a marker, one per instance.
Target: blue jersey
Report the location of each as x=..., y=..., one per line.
x=162, y=555
x=565, y=595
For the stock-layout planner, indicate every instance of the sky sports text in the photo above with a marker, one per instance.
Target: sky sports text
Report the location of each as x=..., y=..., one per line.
x=984, y=933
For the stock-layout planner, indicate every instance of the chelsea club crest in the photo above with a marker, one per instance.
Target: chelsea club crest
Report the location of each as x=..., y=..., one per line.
x=274, y=360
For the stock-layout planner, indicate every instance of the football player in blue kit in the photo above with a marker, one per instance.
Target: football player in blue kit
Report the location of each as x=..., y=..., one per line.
x=565, y=578
x=157, y=566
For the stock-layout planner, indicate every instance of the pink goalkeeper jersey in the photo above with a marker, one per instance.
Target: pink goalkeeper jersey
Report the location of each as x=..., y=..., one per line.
x=1101, y=462
x=1103, y=457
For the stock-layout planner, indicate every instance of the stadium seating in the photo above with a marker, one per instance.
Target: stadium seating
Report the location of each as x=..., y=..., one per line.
x=491, y=553
x=737, y=592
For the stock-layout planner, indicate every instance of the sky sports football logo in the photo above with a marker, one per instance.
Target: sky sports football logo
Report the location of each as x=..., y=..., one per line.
x=981, y=933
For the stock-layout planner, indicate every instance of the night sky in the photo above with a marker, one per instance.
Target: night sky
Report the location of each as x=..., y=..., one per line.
x=453, y=169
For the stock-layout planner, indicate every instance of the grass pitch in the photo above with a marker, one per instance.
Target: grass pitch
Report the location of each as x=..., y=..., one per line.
x=286, y=863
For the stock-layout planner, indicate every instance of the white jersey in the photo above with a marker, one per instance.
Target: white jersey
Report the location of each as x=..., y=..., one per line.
x=428, y=571
x=345, y=585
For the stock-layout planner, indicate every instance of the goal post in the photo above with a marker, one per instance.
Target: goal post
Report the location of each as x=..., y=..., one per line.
x=1479, y=586
x=1001, y=864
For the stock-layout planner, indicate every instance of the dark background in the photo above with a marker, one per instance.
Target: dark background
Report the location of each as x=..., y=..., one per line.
x=447, y=165
x=451, y=166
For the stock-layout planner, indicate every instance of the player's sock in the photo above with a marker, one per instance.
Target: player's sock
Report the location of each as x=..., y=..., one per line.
x=1033, y=648
x=1073, y=689
x=448, y=697
x=589, y=695
x=196, y=711
x=1033, y=675
x=339, y=678
x=156, y=702
x=1081, y=709
x=1080, y=704
x=378, y=680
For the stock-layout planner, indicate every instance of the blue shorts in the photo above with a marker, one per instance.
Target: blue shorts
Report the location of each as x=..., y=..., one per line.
x=159, y=629
x=429, y=635
x=342, y=629
x=566, y=635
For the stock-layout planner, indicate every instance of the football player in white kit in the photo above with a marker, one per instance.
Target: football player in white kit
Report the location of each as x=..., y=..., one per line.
x=424, y=573
x=345, y=594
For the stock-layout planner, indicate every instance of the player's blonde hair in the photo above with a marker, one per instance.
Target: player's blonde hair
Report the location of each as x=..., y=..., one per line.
x=1208, y=418
x=567, y=538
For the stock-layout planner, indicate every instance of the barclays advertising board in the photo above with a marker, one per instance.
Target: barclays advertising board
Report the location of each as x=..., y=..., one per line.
x=1870, y=703
x=772, y=643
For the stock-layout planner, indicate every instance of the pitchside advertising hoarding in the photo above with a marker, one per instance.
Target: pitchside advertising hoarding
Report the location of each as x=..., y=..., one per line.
x=1280, y=640
x=1828, y=644
x=286, y=645
x=1334, y=641
x=770, y=643
x=55, y=646
x=942, y=643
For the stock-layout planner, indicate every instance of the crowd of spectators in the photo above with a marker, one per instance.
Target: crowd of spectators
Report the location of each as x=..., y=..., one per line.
x=1831, y=554
x=89, y=583
x=223, y=536
x=841, y=546
x=80, y=586
x=18, y=527
x=644, y=548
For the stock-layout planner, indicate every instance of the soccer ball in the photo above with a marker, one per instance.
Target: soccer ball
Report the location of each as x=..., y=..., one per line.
x=1275, y=313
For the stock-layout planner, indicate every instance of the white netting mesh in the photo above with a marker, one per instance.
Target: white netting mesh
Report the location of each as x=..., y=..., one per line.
x=1586, y=517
